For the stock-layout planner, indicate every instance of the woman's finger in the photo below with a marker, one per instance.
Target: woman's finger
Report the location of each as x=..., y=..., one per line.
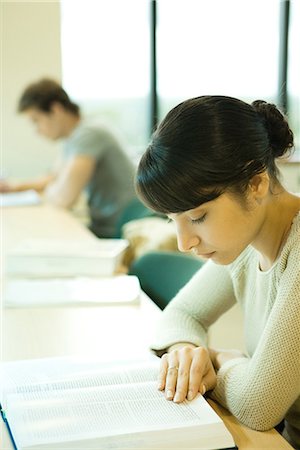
x=182, y=378
x=209, y=380
x=171, y=378
x=197, y=371
x=163, y=372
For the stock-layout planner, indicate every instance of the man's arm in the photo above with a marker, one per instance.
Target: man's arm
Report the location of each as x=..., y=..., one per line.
x=70, y=181
x=38, y=184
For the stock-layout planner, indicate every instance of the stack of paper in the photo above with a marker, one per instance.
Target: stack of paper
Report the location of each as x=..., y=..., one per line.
x=122, y=289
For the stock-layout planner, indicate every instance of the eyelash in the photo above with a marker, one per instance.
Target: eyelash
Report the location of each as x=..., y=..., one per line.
x=194, y=221
x=200, y=220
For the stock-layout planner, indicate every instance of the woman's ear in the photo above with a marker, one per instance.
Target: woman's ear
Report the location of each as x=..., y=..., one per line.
x=259, y=186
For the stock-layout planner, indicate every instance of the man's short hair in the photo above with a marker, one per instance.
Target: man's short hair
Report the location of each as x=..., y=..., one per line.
x=42, y=94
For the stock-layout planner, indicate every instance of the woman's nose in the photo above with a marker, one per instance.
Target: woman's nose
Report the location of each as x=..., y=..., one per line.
x=186, y=241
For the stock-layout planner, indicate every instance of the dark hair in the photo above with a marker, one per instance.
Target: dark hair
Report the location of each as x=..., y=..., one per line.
x=42, y=94
x=208, y=145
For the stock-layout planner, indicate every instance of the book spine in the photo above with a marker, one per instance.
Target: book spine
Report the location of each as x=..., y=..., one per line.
x=3, y=415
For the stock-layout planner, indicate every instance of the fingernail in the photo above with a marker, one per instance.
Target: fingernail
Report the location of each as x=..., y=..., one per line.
x=169, y=394
x=190, y=395
x=176, y=398
x=203, y=390
x=159, y=386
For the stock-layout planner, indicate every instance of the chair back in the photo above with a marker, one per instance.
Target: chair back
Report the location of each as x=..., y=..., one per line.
x=163, y=273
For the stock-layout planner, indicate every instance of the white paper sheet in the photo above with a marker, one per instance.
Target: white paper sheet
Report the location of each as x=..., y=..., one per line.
x=24, y=198
x=121, y=289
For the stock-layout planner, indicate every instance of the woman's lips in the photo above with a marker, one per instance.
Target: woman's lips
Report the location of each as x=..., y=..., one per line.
x=206, y=255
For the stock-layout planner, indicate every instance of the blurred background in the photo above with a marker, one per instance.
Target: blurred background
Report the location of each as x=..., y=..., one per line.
x=128, y=62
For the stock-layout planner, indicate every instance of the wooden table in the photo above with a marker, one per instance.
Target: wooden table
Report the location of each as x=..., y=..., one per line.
x=106, y=332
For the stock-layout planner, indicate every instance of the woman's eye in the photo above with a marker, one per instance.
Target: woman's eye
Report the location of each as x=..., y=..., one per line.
x=199, y=220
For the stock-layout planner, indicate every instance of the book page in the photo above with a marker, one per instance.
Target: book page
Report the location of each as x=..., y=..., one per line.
x=44, y=292
x=65, y=402
x=100, y=411
x=57, y=374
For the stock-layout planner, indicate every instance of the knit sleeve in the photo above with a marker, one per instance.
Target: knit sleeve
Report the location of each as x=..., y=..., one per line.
x=260, y=390
x=207, y=296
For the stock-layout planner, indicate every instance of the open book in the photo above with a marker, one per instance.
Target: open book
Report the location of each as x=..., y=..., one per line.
x=118, y=290
x=64, y=403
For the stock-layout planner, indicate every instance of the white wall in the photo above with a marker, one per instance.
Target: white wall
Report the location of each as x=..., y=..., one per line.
x=30, y=37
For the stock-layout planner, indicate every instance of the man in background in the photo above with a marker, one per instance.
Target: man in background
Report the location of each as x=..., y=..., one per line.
x=92, y=159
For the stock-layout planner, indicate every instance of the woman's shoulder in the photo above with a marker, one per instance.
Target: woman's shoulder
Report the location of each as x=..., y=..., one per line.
x=291, y=249
x=295, y=228
x=293, y=239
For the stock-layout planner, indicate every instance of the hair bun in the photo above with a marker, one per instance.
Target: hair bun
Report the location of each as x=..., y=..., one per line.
x=281, y=137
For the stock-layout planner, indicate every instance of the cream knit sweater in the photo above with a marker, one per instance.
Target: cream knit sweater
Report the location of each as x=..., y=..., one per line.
x=264, y=387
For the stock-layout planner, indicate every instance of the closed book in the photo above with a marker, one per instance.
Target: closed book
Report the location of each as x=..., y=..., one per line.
x=65, y=258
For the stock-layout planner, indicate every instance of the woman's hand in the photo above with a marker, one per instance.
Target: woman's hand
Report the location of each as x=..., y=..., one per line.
x=185, y=371
x=221, y=356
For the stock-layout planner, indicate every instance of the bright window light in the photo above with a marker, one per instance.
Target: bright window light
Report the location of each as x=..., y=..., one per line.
x=105, y=48
x=105, y=63
x=217, y=47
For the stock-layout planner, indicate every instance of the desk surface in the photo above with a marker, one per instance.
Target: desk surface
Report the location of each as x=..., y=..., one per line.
x=105, y=332
x=40, y=222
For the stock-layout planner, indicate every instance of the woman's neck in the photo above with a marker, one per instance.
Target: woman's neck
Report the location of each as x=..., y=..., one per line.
x=281, y=209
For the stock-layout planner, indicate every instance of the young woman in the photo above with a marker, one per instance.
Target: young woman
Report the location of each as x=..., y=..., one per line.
x=211, y=168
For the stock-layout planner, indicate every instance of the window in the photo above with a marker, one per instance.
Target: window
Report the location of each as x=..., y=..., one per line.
x=217, y=47
x=105, y=61
x=203, y=47
x=294, y=74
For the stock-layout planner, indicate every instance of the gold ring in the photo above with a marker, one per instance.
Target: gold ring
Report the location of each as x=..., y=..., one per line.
x=173, y=367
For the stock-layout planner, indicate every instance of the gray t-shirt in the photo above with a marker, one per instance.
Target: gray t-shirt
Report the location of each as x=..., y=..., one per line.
x=111, y=187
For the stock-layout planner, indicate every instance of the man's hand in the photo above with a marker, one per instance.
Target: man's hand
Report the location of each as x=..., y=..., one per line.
x=5, y=186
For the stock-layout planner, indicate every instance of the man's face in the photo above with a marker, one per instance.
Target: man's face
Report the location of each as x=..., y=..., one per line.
x=48, y=124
